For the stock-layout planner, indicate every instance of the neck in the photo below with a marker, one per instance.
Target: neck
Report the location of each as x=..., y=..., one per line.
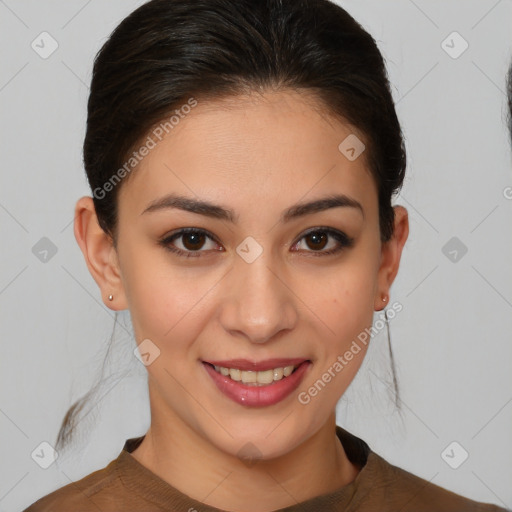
x=195, y=467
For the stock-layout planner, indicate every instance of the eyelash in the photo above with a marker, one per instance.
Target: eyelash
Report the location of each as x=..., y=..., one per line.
x=344, y=240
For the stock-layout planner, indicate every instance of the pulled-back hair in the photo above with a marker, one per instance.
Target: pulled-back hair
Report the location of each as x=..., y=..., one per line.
x=509, y=97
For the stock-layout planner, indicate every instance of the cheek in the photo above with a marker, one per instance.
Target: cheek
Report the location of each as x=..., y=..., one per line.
x=166, y=312
x=351, y=286
x=164, y=303
x=346, y=303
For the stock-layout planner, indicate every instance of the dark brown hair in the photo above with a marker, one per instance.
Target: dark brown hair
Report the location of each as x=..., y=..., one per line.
x=168, y=51
x=509, y=96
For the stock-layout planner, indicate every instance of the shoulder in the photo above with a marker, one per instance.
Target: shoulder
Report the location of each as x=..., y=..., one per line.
x=404, y=491
x=96, y=491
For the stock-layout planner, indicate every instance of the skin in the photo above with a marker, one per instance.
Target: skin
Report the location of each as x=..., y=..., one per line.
x=257, y=155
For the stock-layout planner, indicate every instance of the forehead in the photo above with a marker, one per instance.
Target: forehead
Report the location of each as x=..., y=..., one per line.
x=256, y=149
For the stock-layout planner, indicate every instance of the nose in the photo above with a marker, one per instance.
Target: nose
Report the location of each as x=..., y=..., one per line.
x=258, y=303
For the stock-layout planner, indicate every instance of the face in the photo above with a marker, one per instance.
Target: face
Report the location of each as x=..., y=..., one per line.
x=264, y=281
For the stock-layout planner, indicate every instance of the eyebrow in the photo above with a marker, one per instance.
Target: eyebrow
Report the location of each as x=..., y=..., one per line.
x=216, y=211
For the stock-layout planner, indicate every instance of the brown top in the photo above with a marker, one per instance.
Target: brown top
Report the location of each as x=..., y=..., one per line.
x=125, y=485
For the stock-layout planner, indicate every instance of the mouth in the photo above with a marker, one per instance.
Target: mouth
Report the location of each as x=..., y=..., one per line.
x=257, y=388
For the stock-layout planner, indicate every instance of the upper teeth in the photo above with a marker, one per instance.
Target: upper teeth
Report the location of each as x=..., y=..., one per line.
x=255, y=378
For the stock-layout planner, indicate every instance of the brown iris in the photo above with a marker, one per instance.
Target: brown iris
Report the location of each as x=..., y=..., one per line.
x=197, y=240
x=317, y=239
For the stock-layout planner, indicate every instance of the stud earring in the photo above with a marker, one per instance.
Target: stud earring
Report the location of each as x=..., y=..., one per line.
x=384, y=299
x=110, y=297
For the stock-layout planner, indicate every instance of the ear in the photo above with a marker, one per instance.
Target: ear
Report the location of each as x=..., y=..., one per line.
x=99, y=253
x=390, y=255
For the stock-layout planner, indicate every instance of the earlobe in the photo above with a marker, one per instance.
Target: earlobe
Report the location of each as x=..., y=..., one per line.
x=391, y=254
x=99, y=253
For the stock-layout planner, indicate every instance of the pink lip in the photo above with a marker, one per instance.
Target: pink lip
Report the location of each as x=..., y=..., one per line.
x=268, y=364
x=259, y=396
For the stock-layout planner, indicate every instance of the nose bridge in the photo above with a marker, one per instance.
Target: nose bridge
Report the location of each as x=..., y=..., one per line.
x=259, y=304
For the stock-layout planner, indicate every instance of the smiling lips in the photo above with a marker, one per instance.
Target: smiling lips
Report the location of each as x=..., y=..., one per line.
x=257, y=384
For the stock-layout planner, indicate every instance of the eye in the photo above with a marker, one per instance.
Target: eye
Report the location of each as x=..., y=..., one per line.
x=316, y=238
x=193, y=239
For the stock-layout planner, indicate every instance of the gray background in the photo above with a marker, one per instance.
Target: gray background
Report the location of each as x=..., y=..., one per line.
x=452, y=340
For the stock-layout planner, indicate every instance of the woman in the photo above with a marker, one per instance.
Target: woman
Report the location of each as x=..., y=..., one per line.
x=242, y=158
